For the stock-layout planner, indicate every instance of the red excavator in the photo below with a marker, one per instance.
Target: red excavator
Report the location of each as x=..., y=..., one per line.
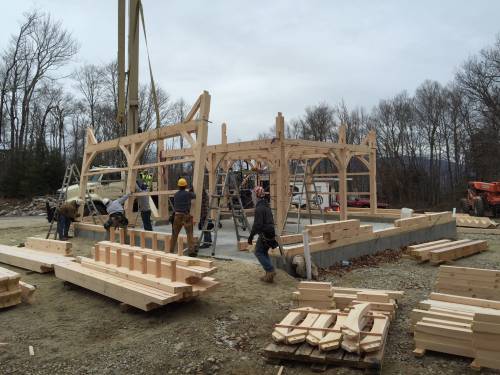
x=483, y=199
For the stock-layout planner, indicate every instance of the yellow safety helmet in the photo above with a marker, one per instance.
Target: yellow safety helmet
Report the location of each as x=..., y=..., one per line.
x=182, y=182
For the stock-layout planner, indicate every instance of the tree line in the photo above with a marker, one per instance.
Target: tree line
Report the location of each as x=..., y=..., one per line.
x=429, y=143
x=44, y=112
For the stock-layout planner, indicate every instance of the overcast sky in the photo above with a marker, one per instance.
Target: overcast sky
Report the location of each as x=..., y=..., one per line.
x=260, y=57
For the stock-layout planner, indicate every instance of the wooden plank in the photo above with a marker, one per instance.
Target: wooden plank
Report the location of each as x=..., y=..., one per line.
x=140, y=296
x=465, y=300
x=458, y=251
x=33, y=260
x=424, y=252
x=427, y=244
x=49, y=245
x=354, y=323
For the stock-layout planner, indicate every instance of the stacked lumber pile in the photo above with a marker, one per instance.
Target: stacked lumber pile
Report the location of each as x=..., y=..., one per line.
x=12, y=289
x=469, y=282
x=321, y=295
x=445, y=250
x=39, y=254
x=461, y=325
x=359, y=330
x=140, y=277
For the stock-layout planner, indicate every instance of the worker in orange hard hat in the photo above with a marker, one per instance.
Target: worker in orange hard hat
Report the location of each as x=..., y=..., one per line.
x=182, y=216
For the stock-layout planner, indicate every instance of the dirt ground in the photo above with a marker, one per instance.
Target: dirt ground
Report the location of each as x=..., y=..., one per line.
x=75, y=331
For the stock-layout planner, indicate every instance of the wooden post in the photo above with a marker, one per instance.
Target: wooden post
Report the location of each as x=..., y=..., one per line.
x=307, y=253
x=118, y=254
x=343, y=163
x=96, y=253
x=373, y=172
x=158, y=267
x=144, y=264
x=281, y=173
x=131, y=260
x=133, y=68
x=173, y=270
x=107, y=254
x=224, y=133
x=200, y=154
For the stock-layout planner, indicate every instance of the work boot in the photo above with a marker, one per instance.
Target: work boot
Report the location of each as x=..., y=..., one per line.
x=193, y=254
x=268, y=277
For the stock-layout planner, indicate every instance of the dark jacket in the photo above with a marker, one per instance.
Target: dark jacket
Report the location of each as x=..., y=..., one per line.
x=182, y=201
x=263, y=223
x=69, y=210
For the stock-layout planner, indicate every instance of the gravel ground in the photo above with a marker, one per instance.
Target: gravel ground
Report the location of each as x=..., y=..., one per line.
x=75, y=331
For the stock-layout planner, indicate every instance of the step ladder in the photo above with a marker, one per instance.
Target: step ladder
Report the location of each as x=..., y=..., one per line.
x=72, y=175
x=302, y=173
x=226, y=195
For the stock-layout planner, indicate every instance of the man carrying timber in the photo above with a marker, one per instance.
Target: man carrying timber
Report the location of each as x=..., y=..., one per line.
x=263, y=225
x=182, y=217
x=116, y=212
x=68, y=212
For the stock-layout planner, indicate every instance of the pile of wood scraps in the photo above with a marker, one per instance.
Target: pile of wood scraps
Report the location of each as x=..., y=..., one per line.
x=335, y=326
x=39, y=254
x=140, y=277
x=12, y=290
x=323, y=295
x=446, y=250
x=461, y=325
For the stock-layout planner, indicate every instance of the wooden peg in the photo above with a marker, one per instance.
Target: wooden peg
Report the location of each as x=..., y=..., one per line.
x=158, y=266
x=154, y=241
x=131, y=261
x=173, y=270
x=180, y=246
x=122, y=233
x=143, y=239
x=118, y=253
x=96, y=253
x=144, y=264
x=107, y=254
x=131, y=234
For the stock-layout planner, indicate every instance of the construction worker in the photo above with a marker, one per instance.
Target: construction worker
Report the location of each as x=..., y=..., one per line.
x=147, y=179
x=207, y=236
x=144, y=207
x=116, y=212
x=68, y=212
x=263, y=225
x=182, y=217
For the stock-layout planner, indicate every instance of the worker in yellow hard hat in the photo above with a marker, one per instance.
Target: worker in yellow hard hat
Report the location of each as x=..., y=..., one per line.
x=182, y=216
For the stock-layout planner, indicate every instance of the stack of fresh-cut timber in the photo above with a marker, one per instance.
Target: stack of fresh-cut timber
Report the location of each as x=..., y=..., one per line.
x=445, y=250
x=323, y=295
x=140, y=277
x=458, y=324
x=12, y=289
x=469, y=282
x=39, y=254
x=359, y=330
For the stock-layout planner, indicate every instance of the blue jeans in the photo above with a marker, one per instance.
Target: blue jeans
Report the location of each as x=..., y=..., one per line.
x=63, y=224
x=262, y=254
x=146, y=220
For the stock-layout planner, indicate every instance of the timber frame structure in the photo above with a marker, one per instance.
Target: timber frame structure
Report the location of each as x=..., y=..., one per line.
x=275, y=154
x=133, y=147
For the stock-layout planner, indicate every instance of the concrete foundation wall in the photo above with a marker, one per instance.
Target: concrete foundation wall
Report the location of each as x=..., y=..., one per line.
x=328, y=258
